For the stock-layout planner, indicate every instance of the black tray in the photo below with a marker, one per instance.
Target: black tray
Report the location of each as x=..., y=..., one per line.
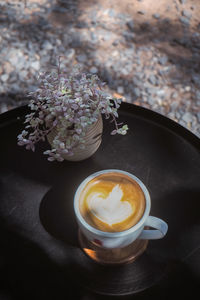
x=39, y=253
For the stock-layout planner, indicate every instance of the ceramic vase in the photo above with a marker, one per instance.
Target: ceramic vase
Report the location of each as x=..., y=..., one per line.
x=92, y=142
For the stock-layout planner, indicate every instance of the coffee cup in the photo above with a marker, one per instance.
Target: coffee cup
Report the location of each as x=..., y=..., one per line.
x=112, y=208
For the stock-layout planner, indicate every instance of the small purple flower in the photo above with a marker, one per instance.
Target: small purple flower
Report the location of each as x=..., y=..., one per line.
x=114, y=132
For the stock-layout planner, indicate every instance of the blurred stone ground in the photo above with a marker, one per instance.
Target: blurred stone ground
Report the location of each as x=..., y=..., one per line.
x=146, y=51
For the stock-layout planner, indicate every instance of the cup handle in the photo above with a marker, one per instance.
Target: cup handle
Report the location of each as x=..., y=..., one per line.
x=158, y=233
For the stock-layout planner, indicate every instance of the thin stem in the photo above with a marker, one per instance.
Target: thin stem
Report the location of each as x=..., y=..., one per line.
x=114, y=120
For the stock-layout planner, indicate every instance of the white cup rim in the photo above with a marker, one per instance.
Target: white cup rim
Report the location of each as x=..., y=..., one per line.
x=111, y=234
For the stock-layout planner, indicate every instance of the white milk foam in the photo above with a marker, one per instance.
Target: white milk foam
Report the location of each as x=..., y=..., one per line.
x=110, y=210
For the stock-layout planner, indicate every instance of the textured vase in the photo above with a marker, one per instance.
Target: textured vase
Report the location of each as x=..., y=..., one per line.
x=92, y=142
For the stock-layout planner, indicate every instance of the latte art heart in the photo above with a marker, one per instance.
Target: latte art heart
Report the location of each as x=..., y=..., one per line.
x=112, y=209
x=112, y=202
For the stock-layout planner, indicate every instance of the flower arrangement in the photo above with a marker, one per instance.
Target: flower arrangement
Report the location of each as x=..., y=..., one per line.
x=70, y=104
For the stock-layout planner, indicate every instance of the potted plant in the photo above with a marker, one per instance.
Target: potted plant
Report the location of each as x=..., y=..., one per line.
x=67, y=110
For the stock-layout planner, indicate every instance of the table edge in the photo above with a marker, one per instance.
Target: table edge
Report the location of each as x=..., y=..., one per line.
x=15, y=114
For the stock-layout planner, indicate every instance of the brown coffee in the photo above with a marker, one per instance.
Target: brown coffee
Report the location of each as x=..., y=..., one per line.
x=112, y=202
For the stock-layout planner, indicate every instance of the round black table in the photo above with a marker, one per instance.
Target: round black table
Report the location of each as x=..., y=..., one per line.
x=40, y=257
